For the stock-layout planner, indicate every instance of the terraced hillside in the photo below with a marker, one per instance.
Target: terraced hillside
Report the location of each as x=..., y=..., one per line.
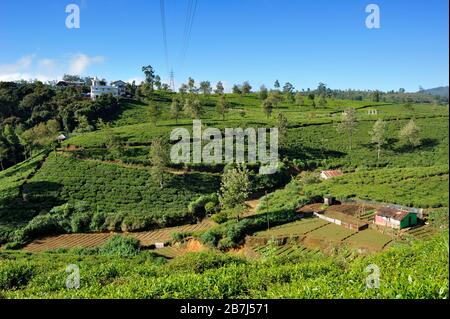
x=121, y=198
x=89, y=240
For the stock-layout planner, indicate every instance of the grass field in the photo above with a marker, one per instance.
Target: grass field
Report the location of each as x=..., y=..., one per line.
x=300, y=227
x=331, y=232
x=369, y=238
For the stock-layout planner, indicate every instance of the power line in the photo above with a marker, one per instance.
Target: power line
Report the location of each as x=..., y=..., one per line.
x=186, y=22
x=190, y=16
x=163, y=22
x=172, y=81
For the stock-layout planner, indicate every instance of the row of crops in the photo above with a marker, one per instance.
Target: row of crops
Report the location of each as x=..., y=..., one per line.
x=322, y=146
x=77, y=195
x=14, y=212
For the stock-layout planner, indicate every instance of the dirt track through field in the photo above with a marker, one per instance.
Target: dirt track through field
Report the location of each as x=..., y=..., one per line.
x=89, y=240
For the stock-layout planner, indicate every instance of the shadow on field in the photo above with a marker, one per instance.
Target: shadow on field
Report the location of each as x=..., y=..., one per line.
x=426, y=144
x=33, y=198
x=309, y=153
x=194, y=182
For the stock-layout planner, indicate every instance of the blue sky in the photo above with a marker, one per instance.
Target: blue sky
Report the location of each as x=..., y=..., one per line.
x=303, y=42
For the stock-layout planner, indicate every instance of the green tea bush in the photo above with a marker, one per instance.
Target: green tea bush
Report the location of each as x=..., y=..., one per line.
x=80, y=222
x=120, y=246
x=220, y=217
x=178, y=237
x=439, y=218
x=198, y=207
x=211, y=237
x=14, y=274
x=122, y=198
x=210, y=207
x=200, y=262
x=41, y=225
x=98, y=222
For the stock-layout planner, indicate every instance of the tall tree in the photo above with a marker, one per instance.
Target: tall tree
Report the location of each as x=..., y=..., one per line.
x=348, y=125
x=236, y=89
x=183, y=89
x=375, y=96
x=219, y=88
x=176, y=108
x=41, y=135
x=205, y=87
x=322, y=90
x=154, y=112
x=267, y=107
x=193, y=108
x=158, y=82
x=263, y=92
x=282, y=125
x=149, y=76
x=288, y=91
x=191, y=86
x=277, y=85
x=234, y=190
x=299, y=99
x=160, y=159
x=410, y=134
x=222, y=106
x=378, y=135
x=275, y=97
x=246, y=87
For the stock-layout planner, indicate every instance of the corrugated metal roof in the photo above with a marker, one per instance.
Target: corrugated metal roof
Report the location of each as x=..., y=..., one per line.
x=393, y=213
x=332, y=173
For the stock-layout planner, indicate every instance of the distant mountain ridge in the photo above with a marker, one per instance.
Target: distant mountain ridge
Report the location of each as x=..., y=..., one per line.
x=439, y=91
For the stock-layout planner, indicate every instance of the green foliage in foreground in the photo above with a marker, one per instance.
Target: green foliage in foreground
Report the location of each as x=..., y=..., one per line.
x=416, y=271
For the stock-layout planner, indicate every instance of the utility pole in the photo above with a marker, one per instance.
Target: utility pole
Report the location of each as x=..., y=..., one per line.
x=268, y=220
x=172, y=81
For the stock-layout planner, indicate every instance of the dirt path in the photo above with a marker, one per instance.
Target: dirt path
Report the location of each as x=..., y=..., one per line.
x=251, y=207
x=90, y=240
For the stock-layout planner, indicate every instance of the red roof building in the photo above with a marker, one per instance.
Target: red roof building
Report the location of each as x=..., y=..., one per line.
x=330, y=174
x=395, y=218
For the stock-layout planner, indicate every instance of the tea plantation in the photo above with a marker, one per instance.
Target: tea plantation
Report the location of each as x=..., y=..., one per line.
x=84, y=185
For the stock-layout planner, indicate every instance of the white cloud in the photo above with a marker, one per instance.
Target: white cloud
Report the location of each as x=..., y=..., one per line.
x=137, y=80
x=44, y=69
x=21, y=65
x=81, y=62
x=11, y=77
x=22, y=70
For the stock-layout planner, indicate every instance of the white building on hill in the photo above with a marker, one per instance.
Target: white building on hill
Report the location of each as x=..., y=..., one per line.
x=98, y=90
x=121, y=85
